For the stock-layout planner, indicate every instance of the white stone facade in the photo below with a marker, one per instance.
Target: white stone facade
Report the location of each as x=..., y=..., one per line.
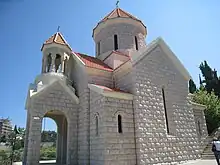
x=137, y=111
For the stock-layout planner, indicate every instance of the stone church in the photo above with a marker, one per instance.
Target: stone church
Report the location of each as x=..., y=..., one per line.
x=128, y=105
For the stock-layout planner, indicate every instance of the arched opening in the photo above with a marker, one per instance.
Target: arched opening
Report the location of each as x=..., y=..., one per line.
x=54, y=138
x=115, y=42
x=49, y=62
x=136, y=42
x=98, y=48
x=165, y=110
x=96, y=125
x=58, y=63
x=48, y=148
x=119, y=124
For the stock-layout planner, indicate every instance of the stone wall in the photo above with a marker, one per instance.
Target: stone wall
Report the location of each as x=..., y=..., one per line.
x=83, y=128
x=154, y=144
x=119, y=147
x=78, y=76
x=97, y=141
x=201, y=127
x=100, y=77
x=200, y=121
x=123, y=77
x=110, y=147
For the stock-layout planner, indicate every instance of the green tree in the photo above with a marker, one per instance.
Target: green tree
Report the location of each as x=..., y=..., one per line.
x=192, y=86
x=211, y=81
x=212, y=111
x=3, y=139
x=48, y=136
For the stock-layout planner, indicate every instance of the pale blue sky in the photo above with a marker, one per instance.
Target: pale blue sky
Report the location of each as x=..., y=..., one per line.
x=190, y=28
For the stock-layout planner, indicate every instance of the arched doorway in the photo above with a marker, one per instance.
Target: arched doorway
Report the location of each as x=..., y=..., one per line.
x=48, y=145
x=61, y=135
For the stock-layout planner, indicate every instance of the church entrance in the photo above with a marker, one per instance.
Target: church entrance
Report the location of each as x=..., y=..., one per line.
x=53, y=149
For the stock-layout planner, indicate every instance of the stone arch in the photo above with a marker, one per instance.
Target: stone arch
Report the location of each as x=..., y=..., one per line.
x=58, y=63
x=119, y=117
x=118, y=112
x=97, y=123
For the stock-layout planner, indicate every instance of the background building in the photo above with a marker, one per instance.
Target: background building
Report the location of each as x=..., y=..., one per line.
x=5, y=126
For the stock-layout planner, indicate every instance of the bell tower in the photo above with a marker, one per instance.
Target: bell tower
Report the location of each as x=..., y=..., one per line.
x=56, y=52
x=119, y=31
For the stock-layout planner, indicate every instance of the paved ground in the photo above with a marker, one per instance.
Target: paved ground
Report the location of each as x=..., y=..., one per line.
x=201, y=162
x=197, y=162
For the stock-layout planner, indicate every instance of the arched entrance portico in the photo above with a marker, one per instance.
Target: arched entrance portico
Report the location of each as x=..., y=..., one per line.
x=56, y=101
x=66, y=141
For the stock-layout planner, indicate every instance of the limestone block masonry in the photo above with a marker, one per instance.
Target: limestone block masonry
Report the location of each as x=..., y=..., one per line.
x=154, y=144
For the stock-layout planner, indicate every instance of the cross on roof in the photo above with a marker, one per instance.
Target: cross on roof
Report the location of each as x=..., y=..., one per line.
x=117, y=4
x=58, y=29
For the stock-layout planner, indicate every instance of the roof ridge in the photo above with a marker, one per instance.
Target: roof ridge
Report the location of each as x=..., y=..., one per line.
x=55, y=38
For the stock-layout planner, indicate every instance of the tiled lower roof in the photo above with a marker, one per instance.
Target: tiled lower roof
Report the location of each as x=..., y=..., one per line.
x=110, y=89
x=93, y=62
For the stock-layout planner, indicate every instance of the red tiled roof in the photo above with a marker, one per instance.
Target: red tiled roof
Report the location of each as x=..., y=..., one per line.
x=58, y=39
x=110, y=89
x=117, y=52
x=93, y=62
x=118, y=13
x=120, y=53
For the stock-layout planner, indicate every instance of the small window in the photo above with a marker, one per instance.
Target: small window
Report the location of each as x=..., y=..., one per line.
x=98, y=48
x=115, y=42
x=165, y=110
x=136, y=43
x=96, y=126
x=119, y=124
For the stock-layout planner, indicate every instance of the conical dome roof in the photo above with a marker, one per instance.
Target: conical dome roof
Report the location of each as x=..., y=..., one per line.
x=118, y=13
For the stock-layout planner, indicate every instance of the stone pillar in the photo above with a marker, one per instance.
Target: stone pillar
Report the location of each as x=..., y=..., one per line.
x=64, y=141
x=59, y=141
x=63, y=66
x=42, y=68
x=26, y=138
x=34, y=139
x=44, y=65
x=72, y=146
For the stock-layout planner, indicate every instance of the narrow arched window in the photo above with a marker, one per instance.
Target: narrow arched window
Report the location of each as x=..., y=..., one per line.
x=115, y=42
x=96, y=126
x=98, y=48
x=136, y=42
x=58, y=63
x=165, y=111
x=119, y=124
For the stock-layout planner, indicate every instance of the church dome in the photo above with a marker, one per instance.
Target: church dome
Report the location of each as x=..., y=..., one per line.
x=119, y=31
x=119, y=13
